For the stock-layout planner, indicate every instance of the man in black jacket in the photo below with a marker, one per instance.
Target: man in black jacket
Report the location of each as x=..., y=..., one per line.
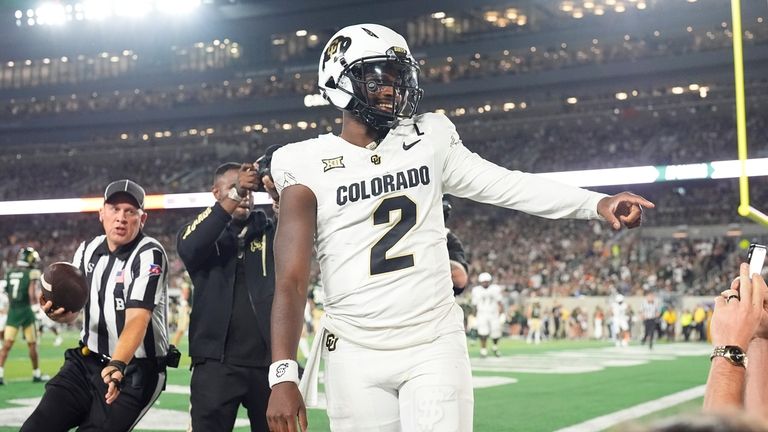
x=227, y=250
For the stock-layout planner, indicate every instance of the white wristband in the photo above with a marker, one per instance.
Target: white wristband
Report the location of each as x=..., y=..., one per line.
x=282, y=371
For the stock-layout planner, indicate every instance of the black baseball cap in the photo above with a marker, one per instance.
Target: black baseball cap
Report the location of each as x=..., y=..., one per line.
x=129, y=187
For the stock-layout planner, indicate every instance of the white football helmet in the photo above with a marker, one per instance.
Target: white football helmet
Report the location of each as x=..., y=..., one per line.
x=368, y=70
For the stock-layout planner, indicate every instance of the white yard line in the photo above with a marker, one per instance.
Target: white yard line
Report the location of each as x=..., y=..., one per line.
x=637, y=411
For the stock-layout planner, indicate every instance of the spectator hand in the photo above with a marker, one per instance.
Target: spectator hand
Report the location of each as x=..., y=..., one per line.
x=736, y=321
x=285, y=405
x=624, y=208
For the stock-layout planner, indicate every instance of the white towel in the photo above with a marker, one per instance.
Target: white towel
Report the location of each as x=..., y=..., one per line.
x=308, y=383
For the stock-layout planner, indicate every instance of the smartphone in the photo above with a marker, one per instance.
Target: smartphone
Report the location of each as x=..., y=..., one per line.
x=756, y=258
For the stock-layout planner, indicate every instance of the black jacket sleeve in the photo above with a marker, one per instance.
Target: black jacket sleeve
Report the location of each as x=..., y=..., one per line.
x=196, y=240
x=456, y=251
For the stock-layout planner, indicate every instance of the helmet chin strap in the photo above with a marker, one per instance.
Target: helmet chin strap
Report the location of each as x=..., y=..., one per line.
x=362, y=112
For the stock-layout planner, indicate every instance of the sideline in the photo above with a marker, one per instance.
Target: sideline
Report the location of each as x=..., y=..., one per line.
x=637, y=411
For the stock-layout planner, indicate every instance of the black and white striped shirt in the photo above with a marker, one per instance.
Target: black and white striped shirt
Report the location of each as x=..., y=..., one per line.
x=650, y=309
x=133, y=276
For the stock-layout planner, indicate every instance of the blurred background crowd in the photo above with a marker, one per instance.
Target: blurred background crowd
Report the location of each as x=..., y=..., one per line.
x=539, y=86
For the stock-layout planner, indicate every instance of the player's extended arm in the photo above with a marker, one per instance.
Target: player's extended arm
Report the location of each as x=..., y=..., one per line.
x=624, y=208
x=293, y=252
x=136, y=322
x=466, y=174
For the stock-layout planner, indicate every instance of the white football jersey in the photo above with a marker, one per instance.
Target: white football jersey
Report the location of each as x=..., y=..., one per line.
x=486, y=300
x=380, y=236
x=620, y=311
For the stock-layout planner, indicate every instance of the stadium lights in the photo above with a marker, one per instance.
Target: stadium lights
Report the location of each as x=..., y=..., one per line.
x=177, y=6
x=50, y=14
x=55, y=13
x=584, y=178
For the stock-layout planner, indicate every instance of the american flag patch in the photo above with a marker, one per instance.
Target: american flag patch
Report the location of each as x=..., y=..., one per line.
x=119, y=277
x=155, y=270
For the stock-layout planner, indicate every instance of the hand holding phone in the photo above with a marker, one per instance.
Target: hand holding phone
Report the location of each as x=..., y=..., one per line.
x=756, y=258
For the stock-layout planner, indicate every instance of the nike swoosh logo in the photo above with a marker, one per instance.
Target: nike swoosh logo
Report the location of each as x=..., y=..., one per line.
x=408, y=147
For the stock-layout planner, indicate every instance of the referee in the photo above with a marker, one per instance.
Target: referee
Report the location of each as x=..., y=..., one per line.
x=651, y=311
x=111, y=380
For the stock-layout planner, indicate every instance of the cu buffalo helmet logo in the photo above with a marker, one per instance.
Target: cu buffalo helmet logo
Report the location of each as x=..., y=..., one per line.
x=336, y=47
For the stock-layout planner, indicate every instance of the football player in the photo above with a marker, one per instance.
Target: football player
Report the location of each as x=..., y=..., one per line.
x=21, y=284
x=620, y=321
x=3, y=308
x=369, y=200
x=489, y=304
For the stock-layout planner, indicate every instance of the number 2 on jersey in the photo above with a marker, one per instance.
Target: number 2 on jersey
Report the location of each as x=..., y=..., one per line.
x=407, y=208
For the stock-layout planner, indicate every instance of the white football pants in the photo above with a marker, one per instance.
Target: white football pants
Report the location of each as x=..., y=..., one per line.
x=425, y=388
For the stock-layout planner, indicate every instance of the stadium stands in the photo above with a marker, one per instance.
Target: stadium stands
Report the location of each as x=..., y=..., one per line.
x=544, y=87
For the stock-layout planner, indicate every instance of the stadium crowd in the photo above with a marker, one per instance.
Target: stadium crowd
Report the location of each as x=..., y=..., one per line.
x=528, y=256
x=682, y=132
x=254, y=85
x=525, y=253
x=557, y=261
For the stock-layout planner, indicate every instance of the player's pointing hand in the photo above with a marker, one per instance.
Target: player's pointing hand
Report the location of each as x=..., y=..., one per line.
x=624, y=208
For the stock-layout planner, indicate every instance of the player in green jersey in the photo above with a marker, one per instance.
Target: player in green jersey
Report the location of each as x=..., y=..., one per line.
x=21, y=284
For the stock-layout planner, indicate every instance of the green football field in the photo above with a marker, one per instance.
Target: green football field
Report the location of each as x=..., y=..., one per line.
x=580, y=385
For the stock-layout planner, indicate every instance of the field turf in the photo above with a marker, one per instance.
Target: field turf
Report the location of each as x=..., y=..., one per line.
x=530, y=388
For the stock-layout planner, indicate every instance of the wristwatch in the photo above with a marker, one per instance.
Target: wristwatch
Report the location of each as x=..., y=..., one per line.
x=233, y=195
x=735, y=355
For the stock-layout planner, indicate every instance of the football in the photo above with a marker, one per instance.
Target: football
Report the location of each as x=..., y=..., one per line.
x=64, y=286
